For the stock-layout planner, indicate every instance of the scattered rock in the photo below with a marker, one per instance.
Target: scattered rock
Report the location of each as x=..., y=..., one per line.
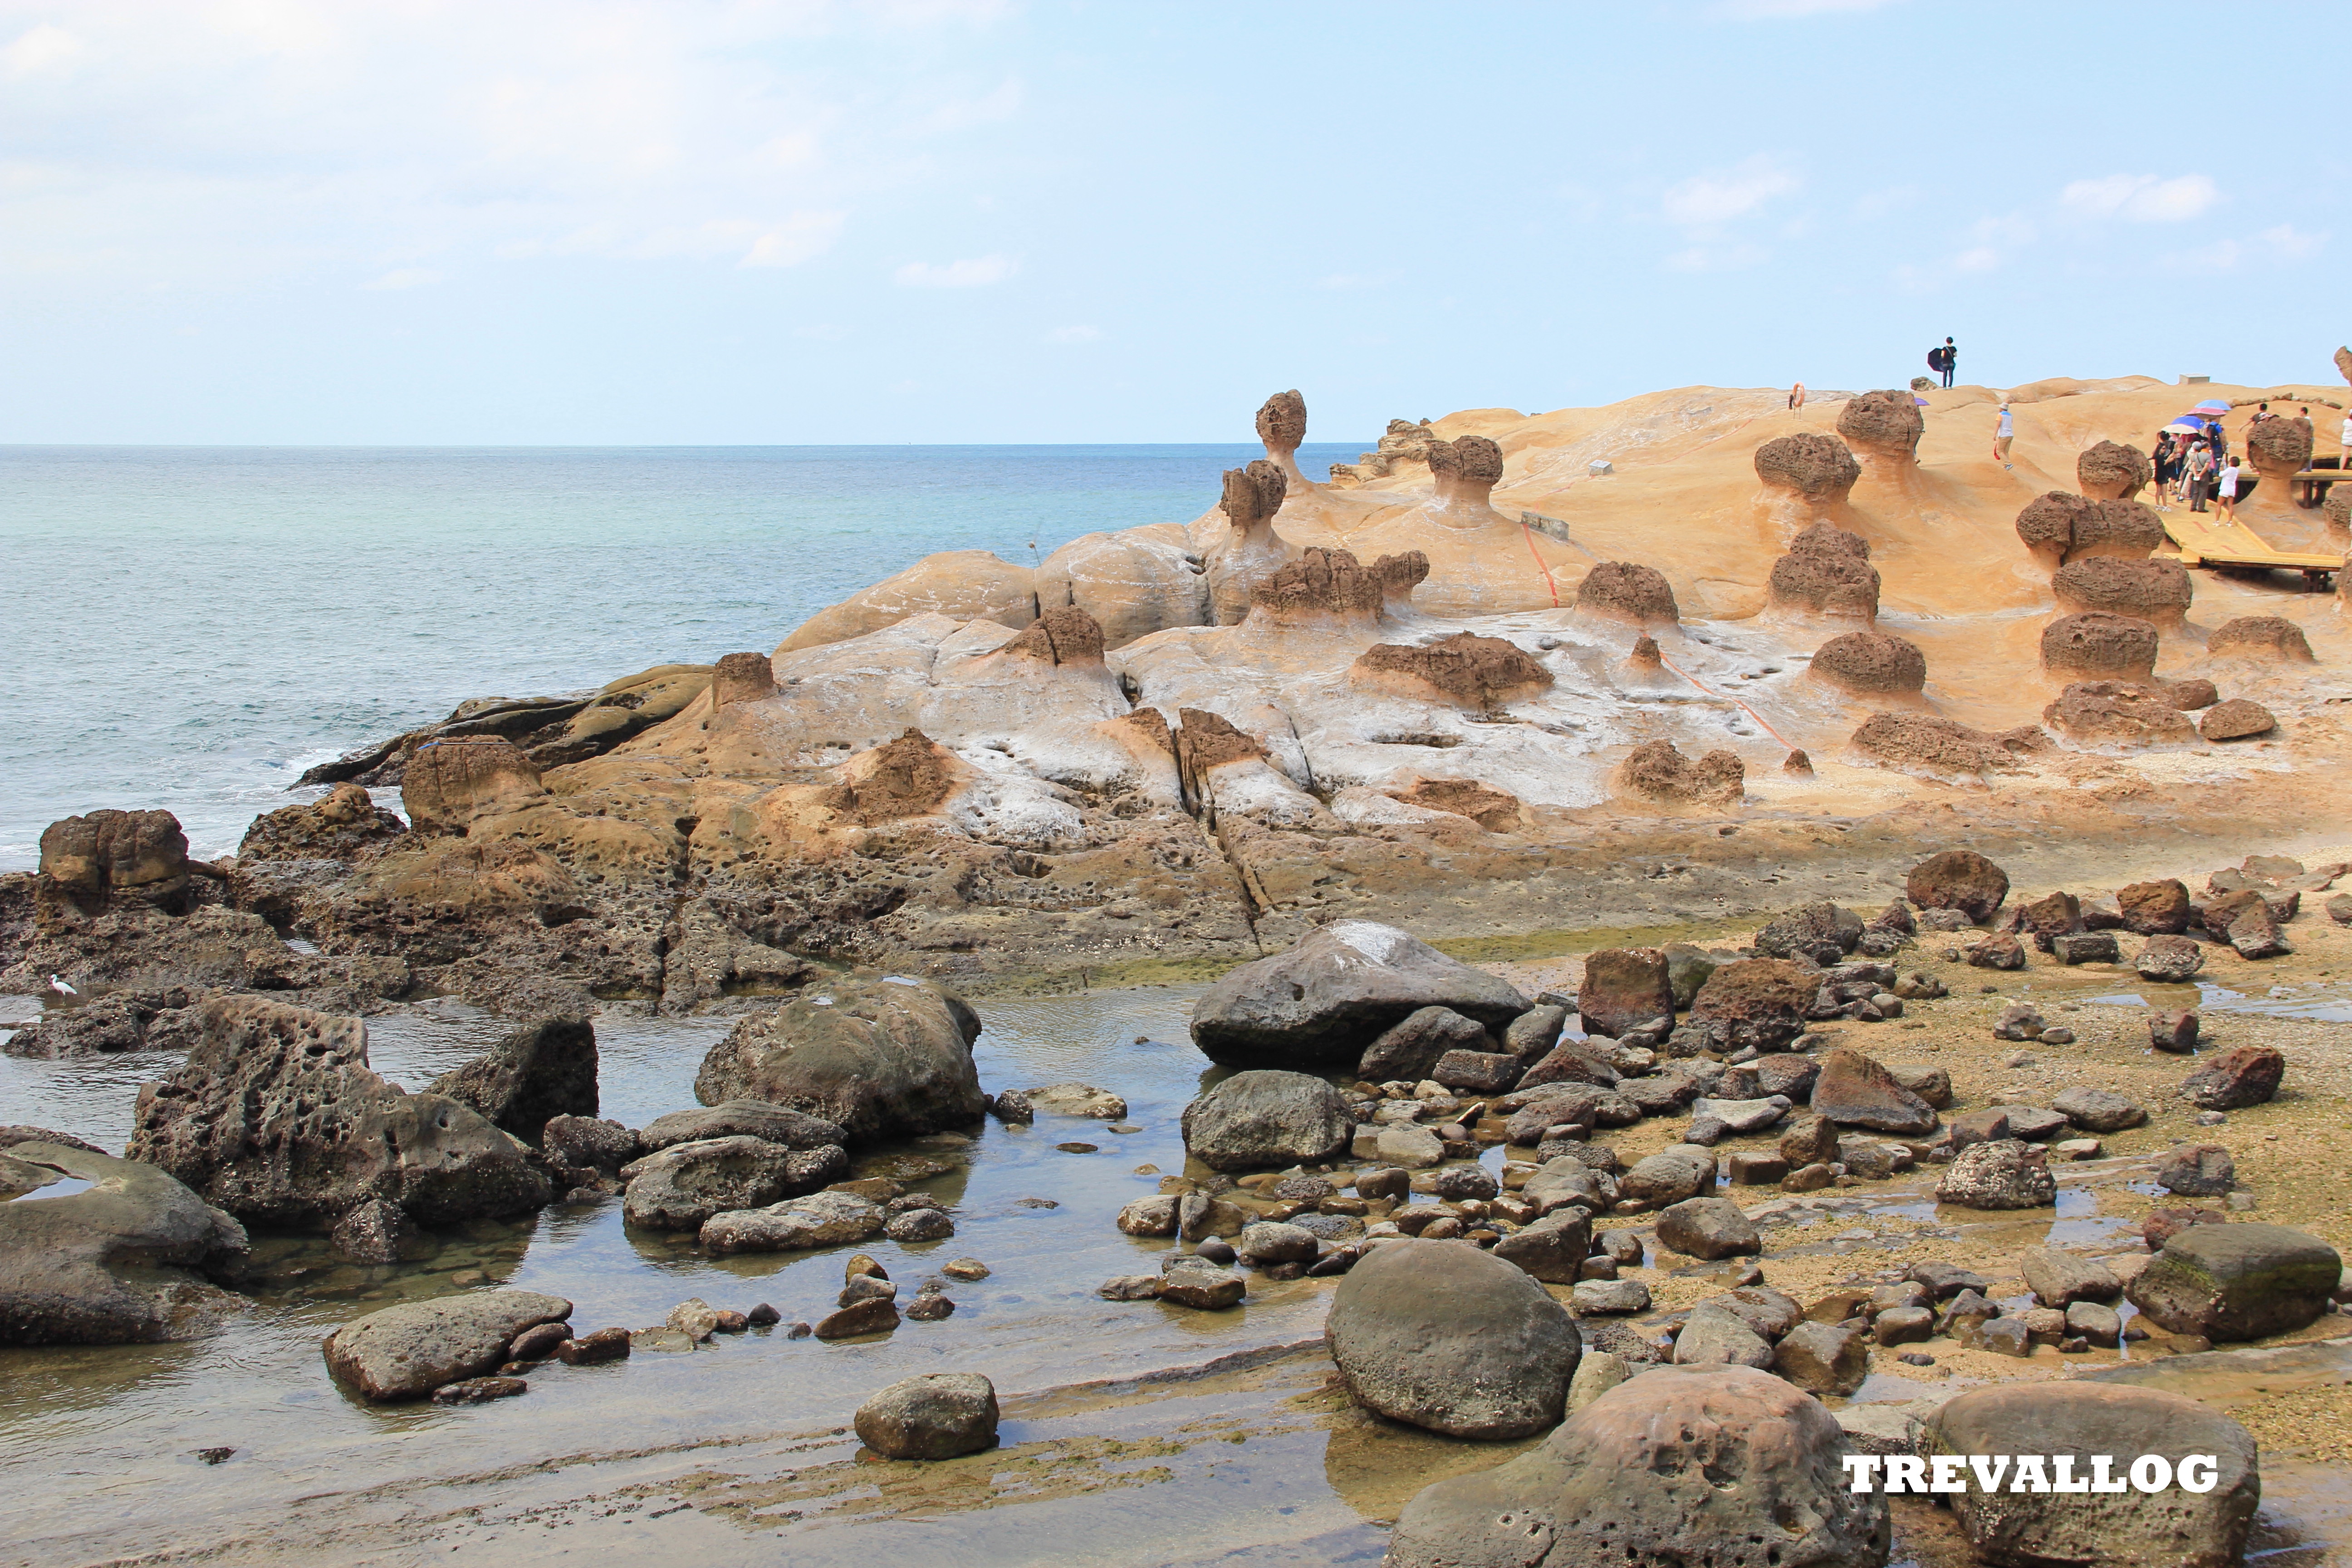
x=1711, y=1228
x=1624, y=989
x=1314, y=1007
x=934, y=1417
x=1757, y=1003
x=2237, y=1078
x=1441, y=1335
x=2169, y=959
x=1824, y=1358
x=878, y=1315
x=2099, y=1109
x=2096, y=644
x=2197, y=1171
x=820, y=1219
x=680, y=1187
x=122, y=1261
x=1411, y=1049
x=543, y=1069
x=1658, y=771
x=2061, y=1279
x=1958, y=879
x=2260, y=637
x=1854, y=1090
x=2236, y=720
x=1261, y=1119
x=876, y=1058
x=408, y=1351
x=2000, y=1174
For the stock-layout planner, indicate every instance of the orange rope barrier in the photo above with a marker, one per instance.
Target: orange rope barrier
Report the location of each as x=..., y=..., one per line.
x=1540, y=562
x=1734, y=700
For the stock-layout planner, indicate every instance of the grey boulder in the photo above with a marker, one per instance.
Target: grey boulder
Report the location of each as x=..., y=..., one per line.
x=877, y=1057
x=820, y=1219
x=1263, y=1120
x=1319, y=1004
x=680, y=1187
x=1711, y=1228
x=122, y=1261
x=742, y=1119
x=542, y=1071
x=2237, y=1281
x=408, y=1351
x=1681, y=1171
x=934, y=1417
x=2000, y=1174
x=1412, y=1048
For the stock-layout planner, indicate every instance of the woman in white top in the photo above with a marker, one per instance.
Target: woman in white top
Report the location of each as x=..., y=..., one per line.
x=2226, y=495
x=2002, y=435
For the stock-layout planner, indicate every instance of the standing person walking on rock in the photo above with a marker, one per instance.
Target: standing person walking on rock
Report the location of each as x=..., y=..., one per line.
x=2226, y=493
x=2199, y=471
x=1951, y=362
x=2003, y=433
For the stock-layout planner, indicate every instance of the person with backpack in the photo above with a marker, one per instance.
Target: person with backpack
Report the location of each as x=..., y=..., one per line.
x=2199, y=474
x=1951, y=363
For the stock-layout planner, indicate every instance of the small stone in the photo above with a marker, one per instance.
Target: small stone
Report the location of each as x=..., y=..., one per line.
x=964, y=1268
x=930, y=1308
x=2197, y=1171
x=604, y=1344
x=862, y=1287
x=879, y=1316
x=1916, y=1358
x=798, y=1331
x=1904, y=1325
x=762, y=1316
x=2173, y=1031
x=474, y=1390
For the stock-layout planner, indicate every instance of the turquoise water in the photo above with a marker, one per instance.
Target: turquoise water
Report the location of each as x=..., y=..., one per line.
x=190, y=629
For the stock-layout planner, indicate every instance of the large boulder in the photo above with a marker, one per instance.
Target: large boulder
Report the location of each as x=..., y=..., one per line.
x=820, y=1219
x=1758, y=1001
x=2156, y=591
x=684, y=1185
x=542, y=1071
x=2019, y=1526
x=1958, y=879
x=2237, y=1281
x=1441, y=1335
x=1720, y=1465
x=1630, y=592
x=1871, y=664
x=2047, y=523
x=408, y=1351
x=138, y=855
x=1262, y=1120
x=878, y=1058
x=2235, y=1079
x=2278, y=446
x=1827, y=571
x=1711, y=1228
x=1854, y=1090
x=936, y=1415
x=276, y=1117
x=1411, y=1050
x=1317, y=1007
x=2097, y=643
x=120, y=1261
x=1624, y=988
x=740, y=1119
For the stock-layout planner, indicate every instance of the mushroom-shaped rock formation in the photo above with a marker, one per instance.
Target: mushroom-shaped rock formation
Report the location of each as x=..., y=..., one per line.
x=2125, y=529
x=2047, y=525
x=963, y=584
x=1657, y=771
x=1883, y=428
x=1321, y=588
x=909, y=777
x=1929, y=747
x=2117, y=712
x=2098, y=644
x=450, y=783
x=1251, y=551
x=1465, y=668
x=1817, y=470
x=2155, y=591
x=108, y=855
x=2278, y=446
x=2260, y=637
x=742, y=678
x=1133, y=582
x=1066, y=636
x=1466, y=470
x=2110, y=471
x=1497, y=811
x=1282, y=426
x=1827, y=572
x=2338, y=509
x=1871, y=664
x=1630, y=592
x=1400, y=574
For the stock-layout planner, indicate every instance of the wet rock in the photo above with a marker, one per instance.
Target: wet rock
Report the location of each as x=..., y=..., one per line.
x=876, y=1058
x=1148, y=1216
x=544, y=1069
x=588, y=1143
x=1260, y=1119
x=589, y=1350
x=1411, y=1050
x=934, y=1417
x=1755, y=1003
x=1871, y=663
x=1624, y=988
x=1266, y=1243
x=1201, y=1216
x=820, y=1219
x=2097, y=643
x=877, y=1316
x=913, y=1226
x=1824, y=1358
x=2099, y=1109
x=1553, y=1248
x=1314, y=1007
x=2173, y=1525
x=2236, y=720
x=1657, y=771
x=2197, y=1171
x=1414, y=1148
x=1129, y=1288
x=1442, y=1336
x=2237, y=1078
x=1602, y=1298
x=2169, y=959
x=1078, y=1099
x=1203, y=1289
x=2109, y=470
x=1711, y=1228
x=1013, y=1108
x=123, y=1260
x=377, y=1231
x=276, y=1117
x=1629, y=592
x=1854, y=1090
x=108, y=1026
x=1721, y=1460
x=680, y=1187
x=2061, y=1279
x=408, y=1351
x=2000, y=1174
x=538, y=1343
x=1958, y=879
x=479, y=1390
x=1670, y=1176
x=742, y=1119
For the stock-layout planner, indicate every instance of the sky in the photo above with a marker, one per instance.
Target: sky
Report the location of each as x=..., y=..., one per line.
x=524, y=222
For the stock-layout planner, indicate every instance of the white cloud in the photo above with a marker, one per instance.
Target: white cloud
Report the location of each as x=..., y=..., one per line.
x=40, y=50
x=1074, y=334
x=972, y=272
x=407, y=278
x=1705, y=200
x=2141, y=198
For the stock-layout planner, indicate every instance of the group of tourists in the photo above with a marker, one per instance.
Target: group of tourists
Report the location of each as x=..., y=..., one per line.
x=2193, y=468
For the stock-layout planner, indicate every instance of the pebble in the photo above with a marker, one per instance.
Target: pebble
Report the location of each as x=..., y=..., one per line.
x=1916, y=1358
x=1035, y=1203
x=1078, y=1148
x=761, y=1316
x=799, y=1332
x=965, y=1268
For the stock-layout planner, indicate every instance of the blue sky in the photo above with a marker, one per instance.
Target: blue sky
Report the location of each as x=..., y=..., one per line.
x=926, y=220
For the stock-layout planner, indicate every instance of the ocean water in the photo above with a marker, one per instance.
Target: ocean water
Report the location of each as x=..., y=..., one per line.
x=190, y=629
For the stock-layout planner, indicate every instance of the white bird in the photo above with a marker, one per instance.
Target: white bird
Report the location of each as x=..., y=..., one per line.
x=58, y=984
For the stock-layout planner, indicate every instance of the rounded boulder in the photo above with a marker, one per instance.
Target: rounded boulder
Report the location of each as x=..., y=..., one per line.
x=935, y=1417
x=1264, y=1120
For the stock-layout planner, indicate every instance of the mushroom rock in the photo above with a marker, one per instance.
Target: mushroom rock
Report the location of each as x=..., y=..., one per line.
x=2278, y=446
x=1400, y=574
x=451, y=783
x=2344, y=364
x=2110, y=471
x=2099, y=643
x=1282, y=426
x=1251, y=552
x=1797, y=764
x=1819, y=471
x=2117, y=711
x=1465, y=669
x=2260, y=637
x=962, y=585
x=2156, y=591
x=92, y=860
x=1466, y=470
x=1883, y=428
x=1871, y=663
x=1066, y=636
x=909, y=777
x=1495, y=810
x=1133, y=582
x=1645, y=653
x=2047, y=525
x=1827, y=572
x=2125, y=529
x=1657, y=771
x=742, y=678
x=1928, y=747
x=1322, y=587
x=1629, y=592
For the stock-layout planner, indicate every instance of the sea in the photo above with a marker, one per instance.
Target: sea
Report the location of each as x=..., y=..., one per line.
x=191, y=628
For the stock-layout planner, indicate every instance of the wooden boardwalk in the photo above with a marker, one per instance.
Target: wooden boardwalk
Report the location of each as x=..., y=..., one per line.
x=2208, y=540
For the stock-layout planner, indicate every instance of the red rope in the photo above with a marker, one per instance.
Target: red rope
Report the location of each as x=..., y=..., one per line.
x=1540, y=562
x=1742, y=706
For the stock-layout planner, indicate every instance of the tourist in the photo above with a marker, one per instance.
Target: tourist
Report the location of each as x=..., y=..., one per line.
x=1951, y=361
x=2166, y=456
x=2003, y=433
x=1797, y=396
x=2199, y=475
x=2345, y=441
x=2226, y=488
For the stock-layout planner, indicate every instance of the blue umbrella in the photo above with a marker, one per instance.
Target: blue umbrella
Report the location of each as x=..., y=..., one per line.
x=2211, y=405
